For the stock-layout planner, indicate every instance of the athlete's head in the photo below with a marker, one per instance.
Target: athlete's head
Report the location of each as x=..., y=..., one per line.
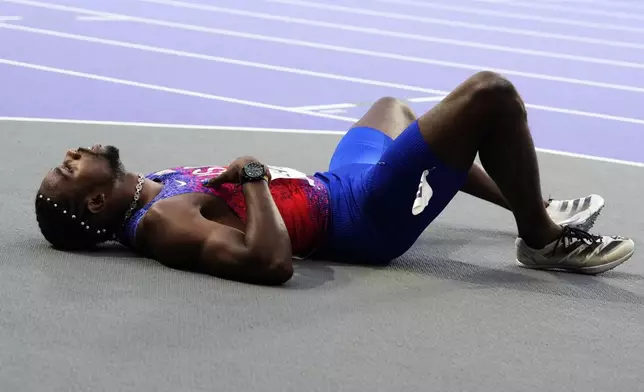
x=78, y=201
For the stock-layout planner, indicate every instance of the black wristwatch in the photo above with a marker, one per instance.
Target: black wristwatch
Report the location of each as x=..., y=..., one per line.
x=253, y=171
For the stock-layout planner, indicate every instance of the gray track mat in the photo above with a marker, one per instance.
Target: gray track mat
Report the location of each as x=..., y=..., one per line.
x=455, y=314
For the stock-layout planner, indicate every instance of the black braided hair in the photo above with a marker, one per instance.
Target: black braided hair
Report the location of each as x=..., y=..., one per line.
x=65, y=227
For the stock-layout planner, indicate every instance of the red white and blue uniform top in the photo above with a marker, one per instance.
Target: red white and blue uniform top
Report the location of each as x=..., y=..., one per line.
x=302, y=200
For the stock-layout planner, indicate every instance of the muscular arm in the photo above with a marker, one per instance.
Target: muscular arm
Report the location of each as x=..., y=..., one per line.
x=180, y=237
x=263, y=253
x=266, y=234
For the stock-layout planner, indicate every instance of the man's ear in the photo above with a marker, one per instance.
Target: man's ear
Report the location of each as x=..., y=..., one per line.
x=95, y=202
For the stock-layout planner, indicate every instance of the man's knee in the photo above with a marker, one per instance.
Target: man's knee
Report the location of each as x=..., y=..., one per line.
x=491, y=83
x=389, y=115
x=496, y=92
x=395, y=104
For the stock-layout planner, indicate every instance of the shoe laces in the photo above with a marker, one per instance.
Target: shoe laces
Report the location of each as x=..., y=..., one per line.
x=573, y=233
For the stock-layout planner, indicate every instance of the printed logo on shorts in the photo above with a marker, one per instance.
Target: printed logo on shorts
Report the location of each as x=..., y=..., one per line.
x=424, y=194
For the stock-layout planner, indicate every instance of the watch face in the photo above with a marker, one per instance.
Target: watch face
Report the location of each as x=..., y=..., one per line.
x=254, y=170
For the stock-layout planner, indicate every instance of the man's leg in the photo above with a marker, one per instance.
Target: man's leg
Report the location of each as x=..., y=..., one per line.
x=367, y=139
x=486, y=115
x=483, y=115
x=580, y=212
x=391, y=117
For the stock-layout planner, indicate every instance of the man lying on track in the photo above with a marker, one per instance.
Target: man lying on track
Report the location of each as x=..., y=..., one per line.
x=389, y=178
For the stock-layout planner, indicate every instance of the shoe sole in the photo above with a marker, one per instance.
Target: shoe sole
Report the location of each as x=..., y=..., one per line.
x=594, y=270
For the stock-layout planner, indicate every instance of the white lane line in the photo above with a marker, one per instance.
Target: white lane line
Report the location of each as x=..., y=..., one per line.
x=332, y=111
x=528, y=105
x=576, y=10
x=10, y=18
x=342, y=106
x=93, y=18
x=397, y=34
x=344, y=49
x=607, y=4
x=515, y=15
x=330, y=106
x=268, y=130
x=585, y=114
x=166, y=89
x=453, y=23
x=590, y=157
x=427, y=99
x=121, y=124
x=225, y=60
x=298, y=71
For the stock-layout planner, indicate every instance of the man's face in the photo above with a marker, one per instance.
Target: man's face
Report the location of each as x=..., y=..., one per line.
x=83, y=170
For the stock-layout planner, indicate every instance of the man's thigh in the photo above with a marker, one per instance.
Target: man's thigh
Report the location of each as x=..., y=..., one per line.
x=407, y=189
x=367, y=139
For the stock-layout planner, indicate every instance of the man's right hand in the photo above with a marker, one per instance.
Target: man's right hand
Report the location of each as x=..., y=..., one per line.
x=233, y=173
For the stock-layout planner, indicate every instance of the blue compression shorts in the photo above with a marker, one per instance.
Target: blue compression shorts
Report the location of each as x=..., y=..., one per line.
x=377, y=189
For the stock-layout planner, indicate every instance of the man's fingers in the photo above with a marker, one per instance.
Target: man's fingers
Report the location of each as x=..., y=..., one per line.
x=220, y=179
